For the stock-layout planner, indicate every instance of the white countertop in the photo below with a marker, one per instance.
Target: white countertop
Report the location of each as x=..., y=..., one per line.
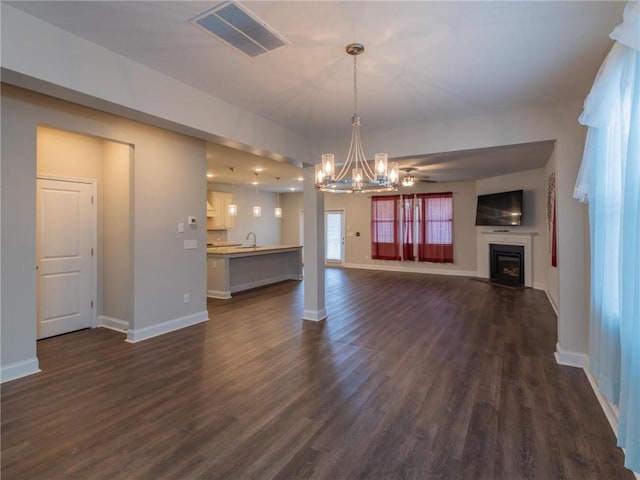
x=237, y=250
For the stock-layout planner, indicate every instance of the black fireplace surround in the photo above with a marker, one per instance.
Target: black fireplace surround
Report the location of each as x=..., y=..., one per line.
x=507, y=264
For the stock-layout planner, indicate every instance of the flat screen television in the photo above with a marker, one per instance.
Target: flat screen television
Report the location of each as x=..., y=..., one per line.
x=500, y=209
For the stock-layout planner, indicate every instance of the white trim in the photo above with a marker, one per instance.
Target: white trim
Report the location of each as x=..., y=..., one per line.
x=408, y=269
x=113, y=323
x=314, y=315
x=61, y=178
x=523, y=239
x=219, y=294
x=553, y=304
x=16, y=370
x=144, y=333
x=570, y=359
x=610, y=411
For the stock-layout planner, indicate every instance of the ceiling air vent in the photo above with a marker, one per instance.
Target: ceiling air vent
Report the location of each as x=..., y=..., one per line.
x=239, y=28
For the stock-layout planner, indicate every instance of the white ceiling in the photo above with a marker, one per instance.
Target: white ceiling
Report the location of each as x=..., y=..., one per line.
x=424, y=61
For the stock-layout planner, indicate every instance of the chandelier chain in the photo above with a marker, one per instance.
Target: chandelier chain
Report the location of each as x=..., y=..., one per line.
x=355, y=85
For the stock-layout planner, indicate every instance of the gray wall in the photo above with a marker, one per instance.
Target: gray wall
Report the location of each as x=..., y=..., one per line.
x=358, y=219
x=169, y=184
x=266, y=227
x=357, y=210
x=291, y=204
x=117, y=227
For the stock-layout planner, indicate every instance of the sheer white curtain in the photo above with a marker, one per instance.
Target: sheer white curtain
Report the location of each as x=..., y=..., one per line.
x=609, y=179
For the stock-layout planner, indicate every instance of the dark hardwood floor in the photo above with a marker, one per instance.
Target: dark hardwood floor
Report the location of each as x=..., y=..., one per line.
x=411, y=376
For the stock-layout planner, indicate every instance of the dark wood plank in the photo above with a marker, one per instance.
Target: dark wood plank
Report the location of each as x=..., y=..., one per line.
x=411, y=376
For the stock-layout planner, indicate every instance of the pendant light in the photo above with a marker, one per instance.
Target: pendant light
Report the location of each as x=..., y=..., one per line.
x=257, y=210
x=278, y=211
x=232, y=209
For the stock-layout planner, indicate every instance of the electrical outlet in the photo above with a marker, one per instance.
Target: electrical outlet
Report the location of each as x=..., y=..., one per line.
x=187, y=298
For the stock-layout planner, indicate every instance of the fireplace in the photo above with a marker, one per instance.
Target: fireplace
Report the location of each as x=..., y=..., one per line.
x=506, y=264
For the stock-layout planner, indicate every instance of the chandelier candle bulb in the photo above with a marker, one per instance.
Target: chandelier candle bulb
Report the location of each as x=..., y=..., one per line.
x=257, y=211
x=328, y=165
x=319, y=174
x=381, y=165
x=394, y=172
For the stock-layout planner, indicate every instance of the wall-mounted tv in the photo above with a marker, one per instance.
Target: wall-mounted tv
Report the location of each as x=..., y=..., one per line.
x=500, y=209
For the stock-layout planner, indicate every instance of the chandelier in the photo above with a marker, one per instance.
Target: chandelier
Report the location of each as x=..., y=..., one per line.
x=356, y=175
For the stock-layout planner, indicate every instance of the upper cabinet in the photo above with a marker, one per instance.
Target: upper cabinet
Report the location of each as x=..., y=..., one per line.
x=218, y=217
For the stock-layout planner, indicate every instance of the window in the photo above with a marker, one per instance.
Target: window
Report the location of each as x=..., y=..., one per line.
x=609, y=179
x=431, y=229
x=435, y=227
x=384, y=228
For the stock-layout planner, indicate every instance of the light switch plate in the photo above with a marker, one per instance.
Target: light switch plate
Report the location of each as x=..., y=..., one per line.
x=190, y=244
x=180, y=227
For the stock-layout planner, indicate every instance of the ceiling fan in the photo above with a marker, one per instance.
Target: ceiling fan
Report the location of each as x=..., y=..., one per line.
x=409, y=180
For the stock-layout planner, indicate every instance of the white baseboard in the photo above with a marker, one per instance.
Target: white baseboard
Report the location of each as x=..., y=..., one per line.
x=570, y=359
x=113, y=323
x=409, y=269
x=314, y=315
x=16, y=370
x=138, y=335
x=553, y=304
x=610, y=411
x=222, y=295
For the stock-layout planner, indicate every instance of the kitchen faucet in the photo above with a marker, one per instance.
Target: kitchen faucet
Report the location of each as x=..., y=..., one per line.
x=254, y=238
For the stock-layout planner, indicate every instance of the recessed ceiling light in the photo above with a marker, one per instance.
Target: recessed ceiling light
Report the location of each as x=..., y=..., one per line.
x=300, y=179
x=259, y=169
x=209, y=175
x=254, y=183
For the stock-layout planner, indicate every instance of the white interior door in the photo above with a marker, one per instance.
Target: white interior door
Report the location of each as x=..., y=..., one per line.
x=64, y=249
x=334, y=236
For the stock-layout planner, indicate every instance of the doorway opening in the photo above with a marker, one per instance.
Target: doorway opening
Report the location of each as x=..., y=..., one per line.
x=84, y=225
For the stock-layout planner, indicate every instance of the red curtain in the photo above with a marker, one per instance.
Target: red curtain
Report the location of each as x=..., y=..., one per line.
x=407, y=228
x=435, y=227
x=384, y=228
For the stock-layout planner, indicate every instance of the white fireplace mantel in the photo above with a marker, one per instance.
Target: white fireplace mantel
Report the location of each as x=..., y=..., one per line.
x=524, y=239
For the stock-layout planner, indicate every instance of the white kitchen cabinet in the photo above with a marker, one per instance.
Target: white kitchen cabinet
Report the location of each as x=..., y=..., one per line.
x=218, y=217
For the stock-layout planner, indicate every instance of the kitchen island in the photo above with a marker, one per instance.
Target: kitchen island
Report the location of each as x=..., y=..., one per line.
x=236, y=268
